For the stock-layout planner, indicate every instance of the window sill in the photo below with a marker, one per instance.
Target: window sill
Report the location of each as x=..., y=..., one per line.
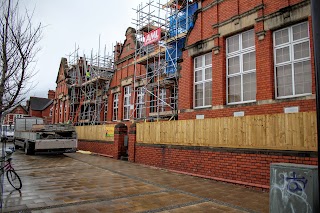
x=202, y=107
x=160, y=113
x=243, y=102
x=293, y=96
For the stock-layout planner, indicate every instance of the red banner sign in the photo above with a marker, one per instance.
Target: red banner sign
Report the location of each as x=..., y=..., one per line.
x=152, y=36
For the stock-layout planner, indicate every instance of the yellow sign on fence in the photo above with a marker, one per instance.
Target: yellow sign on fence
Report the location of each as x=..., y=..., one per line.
x=96, y=132
x=110, y=131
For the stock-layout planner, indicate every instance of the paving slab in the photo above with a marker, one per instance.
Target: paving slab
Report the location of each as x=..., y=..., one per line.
x=87, y=183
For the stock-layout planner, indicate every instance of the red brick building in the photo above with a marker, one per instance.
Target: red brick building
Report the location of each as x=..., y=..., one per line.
x=81, y=92
x=61, y=99
x=242, y=57
x=42, y=107
x=239, y=58
x=122, y=91
x=17, y=112
x=260, y=57
x=35, y=106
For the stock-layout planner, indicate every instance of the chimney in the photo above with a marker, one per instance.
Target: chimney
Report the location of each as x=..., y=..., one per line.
x=117, y=50
x=28, y=105
x=51, y=94
x=80, y=60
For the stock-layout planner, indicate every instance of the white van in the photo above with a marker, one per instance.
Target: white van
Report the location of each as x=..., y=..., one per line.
x=8, y=132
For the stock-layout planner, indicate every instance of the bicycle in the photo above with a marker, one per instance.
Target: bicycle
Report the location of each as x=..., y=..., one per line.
x=12, y=176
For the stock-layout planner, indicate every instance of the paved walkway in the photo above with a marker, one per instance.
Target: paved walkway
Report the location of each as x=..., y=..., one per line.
x=85, y=183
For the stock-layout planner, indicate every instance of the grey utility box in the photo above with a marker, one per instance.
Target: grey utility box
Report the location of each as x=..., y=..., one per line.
x=293, y=188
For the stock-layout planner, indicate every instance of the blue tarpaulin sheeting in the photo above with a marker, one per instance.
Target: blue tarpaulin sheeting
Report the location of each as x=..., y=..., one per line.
x=178, y=22
x=173, y=53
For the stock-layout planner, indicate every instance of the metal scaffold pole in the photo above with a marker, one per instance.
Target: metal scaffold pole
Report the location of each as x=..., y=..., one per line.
x=90, y=78
x=156, y=63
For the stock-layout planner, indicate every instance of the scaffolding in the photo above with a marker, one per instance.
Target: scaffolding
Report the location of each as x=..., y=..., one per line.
x=170, y=21
x=88, y=81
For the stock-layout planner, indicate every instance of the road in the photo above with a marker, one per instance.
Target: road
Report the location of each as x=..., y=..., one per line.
x=87, y=183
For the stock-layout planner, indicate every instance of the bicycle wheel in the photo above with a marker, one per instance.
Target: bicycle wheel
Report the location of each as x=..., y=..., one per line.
x=14, y=179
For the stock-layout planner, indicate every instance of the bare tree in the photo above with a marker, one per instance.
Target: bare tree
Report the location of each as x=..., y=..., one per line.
x=19, y=38
x=18, y=47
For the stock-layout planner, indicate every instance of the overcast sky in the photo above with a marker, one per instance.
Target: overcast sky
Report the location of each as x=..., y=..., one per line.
x=70, y=22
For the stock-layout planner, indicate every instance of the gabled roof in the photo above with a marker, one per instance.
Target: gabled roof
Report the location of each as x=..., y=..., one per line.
x=129, y=32
x=24, y=108
x=62, y=69
x=15, y=107
x=39, y=104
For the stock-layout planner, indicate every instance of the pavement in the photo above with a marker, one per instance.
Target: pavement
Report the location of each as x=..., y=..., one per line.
x=78, y=182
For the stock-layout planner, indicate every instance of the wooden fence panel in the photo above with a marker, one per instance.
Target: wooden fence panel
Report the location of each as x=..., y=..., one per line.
x=94, y=132
x=295, y=131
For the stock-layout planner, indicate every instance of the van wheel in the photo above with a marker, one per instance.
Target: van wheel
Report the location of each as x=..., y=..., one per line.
x=28, y=149
x=15, y=146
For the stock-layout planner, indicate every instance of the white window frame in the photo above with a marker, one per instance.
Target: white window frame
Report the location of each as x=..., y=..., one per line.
x=140, y=102
x=153, y=103
x=163, y=97
x=126, y=102
x=292, y=61
x=105, y=116
x=239, y=53
x=60, y=111
x=115, y=107
x=51, y=112
x=65, y=110
x=203, y=81
x=18, y=116
x=173, y=98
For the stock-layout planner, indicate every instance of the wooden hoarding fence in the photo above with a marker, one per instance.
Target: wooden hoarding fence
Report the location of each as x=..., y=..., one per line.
x=96, y=132
x=296, y=131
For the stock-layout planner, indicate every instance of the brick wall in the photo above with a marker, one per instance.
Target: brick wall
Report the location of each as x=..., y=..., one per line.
x=132, y=142
x=100, y=147
x=35, y=113
x=51, y=94
x=115, y=148
x=240, y=166
x=304, y=105
x=45, y=114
